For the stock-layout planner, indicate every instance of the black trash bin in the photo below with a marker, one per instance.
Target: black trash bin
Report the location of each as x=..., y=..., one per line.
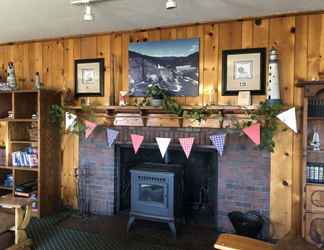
x=247, y=224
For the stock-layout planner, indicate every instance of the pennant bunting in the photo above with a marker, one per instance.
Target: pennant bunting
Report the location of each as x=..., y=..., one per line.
x=70, y=120
x=253, y=132
x=163, y=144
x=289, y=118
x=90, y=126
x=219, y=142
x=137, y=141
x=186, y=144
x=111, y=136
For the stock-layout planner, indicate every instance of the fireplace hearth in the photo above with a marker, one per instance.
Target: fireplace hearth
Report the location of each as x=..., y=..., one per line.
x=157, y=194
x=214, y=186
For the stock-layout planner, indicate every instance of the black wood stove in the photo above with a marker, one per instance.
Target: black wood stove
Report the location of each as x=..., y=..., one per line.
x=157, y=193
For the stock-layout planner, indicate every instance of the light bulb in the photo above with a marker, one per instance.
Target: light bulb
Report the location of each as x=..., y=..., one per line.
x=171, y=4
x=88, y=15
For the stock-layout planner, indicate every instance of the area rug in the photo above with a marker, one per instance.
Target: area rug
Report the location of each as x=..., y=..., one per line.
x=190, y=237
x=47, y=234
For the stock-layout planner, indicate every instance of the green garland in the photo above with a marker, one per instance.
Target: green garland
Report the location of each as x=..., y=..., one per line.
x=265, y=115
x=87, y=112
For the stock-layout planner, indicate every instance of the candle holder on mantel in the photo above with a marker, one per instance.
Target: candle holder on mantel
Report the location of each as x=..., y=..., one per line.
x=123, y=98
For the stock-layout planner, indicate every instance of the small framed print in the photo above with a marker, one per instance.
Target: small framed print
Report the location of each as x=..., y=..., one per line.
x=244, y=70
x=89, y=77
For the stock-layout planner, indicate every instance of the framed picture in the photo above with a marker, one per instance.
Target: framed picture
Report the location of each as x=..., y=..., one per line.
x=244, y=70
x=89, y=77
x=173, y=65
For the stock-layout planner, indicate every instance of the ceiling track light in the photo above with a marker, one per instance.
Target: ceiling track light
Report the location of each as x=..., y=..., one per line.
x=88, y=15
x=171, y=4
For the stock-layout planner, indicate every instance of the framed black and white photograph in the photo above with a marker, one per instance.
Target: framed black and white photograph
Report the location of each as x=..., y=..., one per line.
x=173, y=65
x=89, y=77
x=244, y=70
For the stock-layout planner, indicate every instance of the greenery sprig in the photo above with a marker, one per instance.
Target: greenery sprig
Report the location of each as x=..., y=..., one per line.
x=266, y=115
x=87, y=112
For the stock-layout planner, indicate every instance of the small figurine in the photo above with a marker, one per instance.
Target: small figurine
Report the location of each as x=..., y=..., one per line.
x=316, y=142
x=11, y=76
x=38, y=84
x=273, y=91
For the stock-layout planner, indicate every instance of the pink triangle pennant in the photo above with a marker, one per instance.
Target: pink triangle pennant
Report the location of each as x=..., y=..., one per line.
x=137, y=142
x=253, y=132
x=90, y=126
x=186, y=144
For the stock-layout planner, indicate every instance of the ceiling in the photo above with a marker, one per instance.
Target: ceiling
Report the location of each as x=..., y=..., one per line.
x=39, y=19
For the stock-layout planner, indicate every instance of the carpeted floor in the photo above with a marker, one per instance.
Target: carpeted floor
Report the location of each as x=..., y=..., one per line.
x=68, y=232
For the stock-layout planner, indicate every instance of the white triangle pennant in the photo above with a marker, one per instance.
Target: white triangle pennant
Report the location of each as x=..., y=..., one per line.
x=70, y=120
x=289, y=118
x=163, y=144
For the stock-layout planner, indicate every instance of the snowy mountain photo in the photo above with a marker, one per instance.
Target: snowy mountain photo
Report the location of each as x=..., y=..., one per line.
x=173, y=65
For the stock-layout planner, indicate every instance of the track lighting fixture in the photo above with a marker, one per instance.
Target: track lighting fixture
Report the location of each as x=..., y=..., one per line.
x=171, y=4
x=88, y=15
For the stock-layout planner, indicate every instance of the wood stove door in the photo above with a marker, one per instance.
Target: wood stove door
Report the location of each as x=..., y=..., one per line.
x=150, y=196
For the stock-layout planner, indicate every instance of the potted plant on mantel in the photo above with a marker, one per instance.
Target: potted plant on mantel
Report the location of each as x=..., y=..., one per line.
x=156, y=93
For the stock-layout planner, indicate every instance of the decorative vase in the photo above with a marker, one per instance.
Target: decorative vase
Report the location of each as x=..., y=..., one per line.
x=156, y=102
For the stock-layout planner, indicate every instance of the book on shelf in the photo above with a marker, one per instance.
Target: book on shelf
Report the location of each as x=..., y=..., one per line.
x=26, y=158
x=315, y=173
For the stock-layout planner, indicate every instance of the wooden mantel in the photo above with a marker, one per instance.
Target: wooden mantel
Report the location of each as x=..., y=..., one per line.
x=222, y=116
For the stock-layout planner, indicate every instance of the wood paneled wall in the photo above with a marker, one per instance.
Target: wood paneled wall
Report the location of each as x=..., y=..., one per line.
x=299, y=38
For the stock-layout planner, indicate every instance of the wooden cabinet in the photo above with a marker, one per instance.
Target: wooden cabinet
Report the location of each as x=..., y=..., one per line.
x=315, y=198
x=313, y=162
x=29, y=127
x=314, y=228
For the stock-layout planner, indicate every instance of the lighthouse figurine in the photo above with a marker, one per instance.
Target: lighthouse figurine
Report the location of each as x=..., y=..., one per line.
x=11, y=76
x=273, y=92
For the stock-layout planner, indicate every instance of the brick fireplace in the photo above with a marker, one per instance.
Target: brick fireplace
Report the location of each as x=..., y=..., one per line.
x=243, y=172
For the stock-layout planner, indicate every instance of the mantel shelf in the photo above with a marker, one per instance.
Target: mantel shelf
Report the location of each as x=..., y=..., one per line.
x=148, y=116
x=131, y=109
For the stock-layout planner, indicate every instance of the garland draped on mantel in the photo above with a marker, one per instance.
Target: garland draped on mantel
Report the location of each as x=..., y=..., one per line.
x=265, y=115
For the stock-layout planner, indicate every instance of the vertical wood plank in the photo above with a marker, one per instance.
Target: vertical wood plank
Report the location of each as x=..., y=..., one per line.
x=300, y=72
x=211, y=43
x=247, y=34
x=281, y=195
x=88, y=47
x=314, y=46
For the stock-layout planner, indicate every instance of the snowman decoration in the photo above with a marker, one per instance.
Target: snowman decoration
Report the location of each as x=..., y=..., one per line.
x=273, y=91
x=11, y=76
